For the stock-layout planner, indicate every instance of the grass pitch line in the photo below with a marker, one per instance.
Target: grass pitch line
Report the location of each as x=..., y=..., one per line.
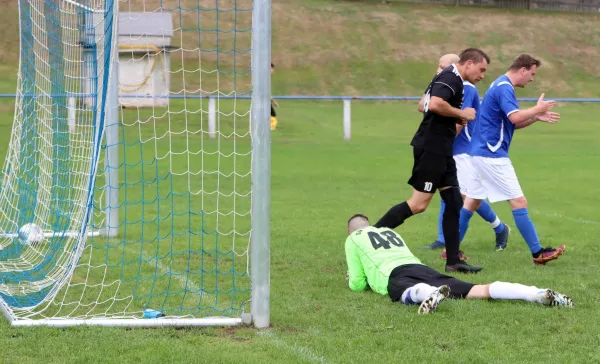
x=573, y=219
x=301, y=351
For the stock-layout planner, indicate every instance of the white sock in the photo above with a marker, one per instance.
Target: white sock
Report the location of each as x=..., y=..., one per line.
x=513, y=291
x=417, y=293
x=496, y=223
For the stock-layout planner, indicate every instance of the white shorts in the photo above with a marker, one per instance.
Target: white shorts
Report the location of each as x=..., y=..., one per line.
x=464, y=171
x=493, y=179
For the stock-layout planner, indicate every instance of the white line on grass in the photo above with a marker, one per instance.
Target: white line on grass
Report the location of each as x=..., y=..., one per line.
x=164, y=269
x=301, y=351
x=574, y=219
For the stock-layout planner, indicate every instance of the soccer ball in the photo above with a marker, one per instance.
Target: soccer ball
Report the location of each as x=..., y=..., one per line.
x=31, y=234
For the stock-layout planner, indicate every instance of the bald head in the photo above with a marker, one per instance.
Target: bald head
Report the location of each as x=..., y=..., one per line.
x=446, y=60
x=356, y=222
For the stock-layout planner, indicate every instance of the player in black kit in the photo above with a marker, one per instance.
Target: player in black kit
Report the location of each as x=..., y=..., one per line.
x=434, y=167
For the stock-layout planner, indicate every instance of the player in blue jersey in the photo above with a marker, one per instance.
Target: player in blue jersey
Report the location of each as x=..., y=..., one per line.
x=463, y=166
x=495, y=178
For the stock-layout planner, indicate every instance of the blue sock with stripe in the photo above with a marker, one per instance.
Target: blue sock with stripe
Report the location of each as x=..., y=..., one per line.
x=527, y=229
x=487, y=213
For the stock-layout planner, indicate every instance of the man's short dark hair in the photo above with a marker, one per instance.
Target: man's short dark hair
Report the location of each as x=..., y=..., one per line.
x=357, y=215
x=524, y=60
x=473, y=54
x=272, y=65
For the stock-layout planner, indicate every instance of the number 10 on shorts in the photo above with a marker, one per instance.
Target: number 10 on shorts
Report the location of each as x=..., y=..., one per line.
x=428, y=186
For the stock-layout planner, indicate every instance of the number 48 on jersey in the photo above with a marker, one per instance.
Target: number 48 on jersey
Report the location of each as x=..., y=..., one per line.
x=385, y=239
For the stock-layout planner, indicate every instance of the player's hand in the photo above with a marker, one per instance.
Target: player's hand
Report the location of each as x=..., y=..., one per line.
x=545, y=105
x=468, y=114
x=549, y=117
x=462, y=122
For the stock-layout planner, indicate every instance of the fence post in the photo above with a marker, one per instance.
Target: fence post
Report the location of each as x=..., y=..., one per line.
x=346, y=119
x=212, y=117
x=71, y=107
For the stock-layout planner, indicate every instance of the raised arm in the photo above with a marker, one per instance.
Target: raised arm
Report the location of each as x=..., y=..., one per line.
x=525, y=123
x=522, y=118
x=548, y=117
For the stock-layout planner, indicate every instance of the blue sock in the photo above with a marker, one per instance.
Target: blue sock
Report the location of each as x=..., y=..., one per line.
x=527, y=229
x=440, y=237
x=486, y=212
x=465, y=217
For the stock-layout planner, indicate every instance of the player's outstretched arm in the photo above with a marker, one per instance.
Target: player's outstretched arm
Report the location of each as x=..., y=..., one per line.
x=526, y=123
x=547, y=117
x=357, y=280
x=520, y=116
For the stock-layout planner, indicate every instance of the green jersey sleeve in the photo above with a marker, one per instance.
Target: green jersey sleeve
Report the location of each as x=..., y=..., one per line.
x=372, y=254
x=357, y=280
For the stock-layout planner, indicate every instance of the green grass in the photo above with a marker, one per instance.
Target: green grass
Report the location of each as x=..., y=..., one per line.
x=318, y=180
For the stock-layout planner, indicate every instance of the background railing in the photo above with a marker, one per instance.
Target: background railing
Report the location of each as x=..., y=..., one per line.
x=346, y=104
x=580, y=6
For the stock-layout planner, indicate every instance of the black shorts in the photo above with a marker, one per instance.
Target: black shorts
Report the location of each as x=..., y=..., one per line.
x=273, y=111
x=406, y=276
x=432, y=171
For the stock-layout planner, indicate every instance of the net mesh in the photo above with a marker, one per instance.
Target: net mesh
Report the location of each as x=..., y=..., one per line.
x=181, y=193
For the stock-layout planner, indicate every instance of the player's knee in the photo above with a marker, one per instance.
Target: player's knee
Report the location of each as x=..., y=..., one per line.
x=471, y=204
x=479, y=291
x=418, y=202
x=518, y=203
x=453, y=200
x=418, y=207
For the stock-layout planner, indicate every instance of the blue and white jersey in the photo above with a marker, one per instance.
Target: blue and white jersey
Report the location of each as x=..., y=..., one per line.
x=463, y=139
x=493, y=130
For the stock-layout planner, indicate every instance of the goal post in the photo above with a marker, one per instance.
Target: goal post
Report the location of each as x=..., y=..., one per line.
x=149, y=213
x=261, y=162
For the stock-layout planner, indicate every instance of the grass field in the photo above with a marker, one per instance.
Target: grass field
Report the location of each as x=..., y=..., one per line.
x=318, y=180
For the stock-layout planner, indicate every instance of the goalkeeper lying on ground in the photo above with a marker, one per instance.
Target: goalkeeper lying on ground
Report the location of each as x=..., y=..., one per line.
x=378, y=258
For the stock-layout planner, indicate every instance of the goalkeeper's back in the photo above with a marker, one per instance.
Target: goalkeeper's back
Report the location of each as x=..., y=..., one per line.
x=372, y=253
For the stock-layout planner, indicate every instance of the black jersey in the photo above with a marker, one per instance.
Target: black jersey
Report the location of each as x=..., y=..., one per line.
x=436, y=133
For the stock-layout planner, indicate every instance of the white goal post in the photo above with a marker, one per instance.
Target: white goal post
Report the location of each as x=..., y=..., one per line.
x=131, y=194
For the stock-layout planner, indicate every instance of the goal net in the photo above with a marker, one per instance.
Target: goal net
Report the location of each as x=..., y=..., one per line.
x=129, y=187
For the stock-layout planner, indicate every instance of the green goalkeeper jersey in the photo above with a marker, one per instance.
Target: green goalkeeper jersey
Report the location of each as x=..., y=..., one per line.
x=372, y=254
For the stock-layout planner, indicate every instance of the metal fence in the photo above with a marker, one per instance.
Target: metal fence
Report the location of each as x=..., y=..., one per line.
x=580, y=6
x=346, y=105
